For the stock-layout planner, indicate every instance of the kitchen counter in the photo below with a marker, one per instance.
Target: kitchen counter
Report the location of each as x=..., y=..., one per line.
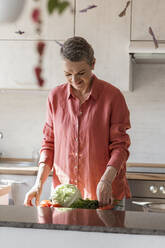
x=18, y=167
x=106, y=221
x=146, y=171
x=140, y=172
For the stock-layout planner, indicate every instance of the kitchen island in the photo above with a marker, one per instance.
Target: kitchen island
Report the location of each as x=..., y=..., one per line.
x=39, y=227
x=43, y=227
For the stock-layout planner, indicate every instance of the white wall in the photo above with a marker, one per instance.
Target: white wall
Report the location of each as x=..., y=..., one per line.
x=147, y=107
x=22, y=116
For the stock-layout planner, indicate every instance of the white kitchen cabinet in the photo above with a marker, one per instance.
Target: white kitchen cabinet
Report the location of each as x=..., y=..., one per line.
x=18, y=52
x=54, y=26
x=18, y=59
x=23, y=184
x=109, y=34
x=31, y=237
x=146, y=13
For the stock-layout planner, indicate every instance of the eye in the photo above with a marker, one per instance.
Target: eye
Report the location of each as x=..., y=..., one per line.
x=67, y=75
x=81, y=73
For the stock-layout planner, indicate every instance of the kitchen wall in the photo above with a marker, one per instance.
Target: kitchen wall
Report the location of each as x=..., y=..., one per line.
x=147, y=105
x=22, y=116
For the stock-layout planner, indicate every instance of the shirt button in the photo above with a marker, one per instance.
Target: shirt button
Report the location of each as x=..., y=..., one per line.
x=76, y=154
x=76, y=139
x=80, y=113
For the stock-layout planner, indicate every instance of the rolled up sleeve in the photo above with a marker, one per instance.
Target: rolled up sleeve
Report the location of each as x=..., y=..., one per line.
x=119, y=139
x=47, y=149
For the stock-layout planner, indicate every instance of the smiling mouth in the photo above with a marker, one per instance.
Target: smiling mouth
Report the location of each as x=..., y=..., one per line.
x=78, y=83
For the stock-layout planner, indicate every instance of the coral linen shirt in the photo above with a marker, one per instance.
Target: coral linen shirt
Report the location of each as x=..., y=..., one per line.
x=81, y=140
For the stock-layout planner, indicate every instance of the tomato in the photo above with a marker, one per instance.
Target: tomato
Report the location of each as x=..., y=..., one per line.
x=48, y=203
x=56, y=205
x=45, y=203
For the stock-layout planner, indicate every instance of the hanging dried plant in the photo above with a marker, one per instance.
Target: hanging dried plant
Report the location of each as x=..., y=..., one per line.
x=86, y=9
x=59, y=43
x=123, y=13
x=19, y=32
x=153, y=37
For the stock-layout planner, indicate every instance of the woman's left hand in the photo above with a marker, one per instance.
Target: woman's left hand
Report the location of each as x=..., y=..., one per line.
x=104, y=187
x=104, y=193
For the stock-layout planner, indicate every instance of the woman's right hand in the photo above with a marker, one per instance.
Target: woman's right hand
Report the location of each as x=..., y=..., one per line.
x=35, y=192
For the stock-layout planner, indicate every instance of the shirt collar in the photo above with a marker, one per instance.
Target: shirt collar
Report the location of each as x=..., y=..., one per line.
x=94, y=90
x=69, y=91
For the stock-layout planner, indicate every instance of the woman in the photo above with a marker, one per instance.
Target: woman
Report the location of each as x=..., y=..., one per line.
x=85, y=139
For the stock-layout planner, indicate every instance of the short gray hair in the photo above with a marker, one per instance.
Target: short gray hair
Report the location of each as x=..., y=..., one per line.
x=77, y=49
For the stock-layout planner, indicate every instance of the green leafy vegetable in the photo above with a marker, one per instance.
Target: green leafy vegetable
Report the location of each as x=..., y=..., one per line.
x=89, y=204
x=65, y=194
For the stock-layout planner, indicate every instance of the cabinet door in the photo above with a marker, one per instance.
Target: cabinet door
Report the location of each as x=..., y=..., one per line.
x=146, y=13
x=109, y=35
x=18, y=59
x=18, y=53
x=54, y=26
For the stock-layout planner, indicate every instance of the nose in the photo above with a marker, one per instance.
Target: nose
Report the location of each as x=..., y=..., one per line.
x=75, y=78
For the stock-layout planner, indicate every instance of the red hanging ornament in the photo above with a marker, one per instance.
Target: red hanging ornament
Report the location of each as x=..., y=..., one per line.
x=38, y=71
x=40, y=47
x=36, y=15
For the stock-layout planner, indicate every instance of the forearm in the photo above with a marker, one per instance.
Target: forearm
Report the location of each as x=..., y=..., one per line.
x=118, y=157
x=109, y=174
x=43, y=173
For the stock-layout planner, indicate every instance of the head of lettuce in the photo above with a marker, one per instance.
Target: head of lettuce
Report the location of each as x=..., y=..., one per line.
x=65, y=195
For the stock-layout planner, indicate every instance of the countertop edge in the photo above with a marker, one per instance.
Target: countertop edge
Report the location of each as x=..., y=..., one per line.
x=106, y=229
x=20, y=171
x=32, y=171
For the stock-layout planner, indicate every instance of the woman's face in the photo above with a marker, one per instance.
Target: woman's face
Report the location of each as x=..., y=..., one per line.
x=78, y=74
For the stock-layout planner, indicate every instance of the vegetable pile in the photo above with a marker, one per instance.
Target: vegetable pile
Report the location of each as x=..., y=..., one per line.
x=68, y=195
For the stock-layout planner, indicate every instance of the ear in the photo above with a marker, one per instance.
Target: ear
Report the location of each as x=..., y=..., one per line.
x=93, y=64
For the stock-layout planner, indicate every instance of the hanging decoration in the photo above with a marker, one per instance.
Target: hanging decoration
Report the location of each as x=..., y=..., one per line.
x=40, y=45
x=19, y=32
x=59, y=43
x=86, y=9
x=52, y=5
x=123, y=13
x=57, y=5
x=153, y=37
